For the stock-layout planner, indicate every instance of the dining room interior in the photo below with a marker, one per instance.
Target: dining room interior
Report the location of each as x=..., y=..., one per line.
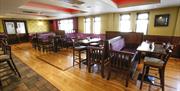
x=89, y=45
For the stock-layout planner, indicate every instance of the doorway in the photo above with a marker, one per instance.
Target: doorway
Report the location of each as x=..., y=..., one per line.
x=16, y=31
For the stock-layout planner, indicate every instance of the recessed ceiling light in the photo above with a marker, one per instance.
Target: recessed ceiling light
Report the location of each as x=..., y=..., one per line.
x=75, y=6
x=88, y=6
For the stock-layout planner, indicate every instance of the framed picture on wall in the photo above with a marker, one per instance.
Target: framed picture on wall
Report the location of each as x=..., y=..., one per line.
x=161, y=20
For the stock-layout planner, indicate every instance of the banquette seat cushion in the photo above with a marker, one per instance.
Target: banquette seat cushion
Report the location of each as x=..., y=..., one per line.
x=118, y=45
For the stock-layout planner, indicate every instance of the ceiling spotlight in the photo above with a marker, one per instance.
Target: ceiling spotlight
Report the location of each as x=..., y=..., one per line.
x=88, y=6
x=75, y=6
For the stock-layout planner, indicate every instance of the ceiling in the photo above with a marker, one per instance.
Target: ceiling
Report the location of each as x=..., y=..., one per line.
x=56, y=9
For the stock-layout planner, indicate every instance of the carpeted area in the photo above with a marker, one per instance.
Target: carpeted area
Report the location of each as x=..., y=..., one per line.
x=30, y=80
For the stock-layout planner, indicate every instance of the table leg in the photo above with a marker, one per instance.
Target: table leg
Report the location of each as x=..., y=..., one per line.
x=139, y=57
x=0, y=85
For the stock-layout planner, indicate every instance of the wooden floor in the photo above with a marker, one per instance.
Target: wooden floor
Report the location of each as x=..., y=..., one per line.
x=75, y=79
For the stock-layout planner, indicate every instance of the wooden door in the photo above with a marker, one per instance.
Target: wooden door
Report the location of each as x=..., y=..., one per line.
x=16, y=31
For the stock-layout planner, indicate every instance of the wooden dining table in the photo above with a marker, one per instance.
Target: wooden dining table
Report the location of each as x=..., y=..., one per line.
x=88, y=41
x=151, y=47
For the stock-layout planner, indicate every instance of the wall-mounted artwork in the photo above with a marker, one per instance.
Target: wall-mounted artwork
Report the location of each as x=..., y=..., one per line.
x=161, y=20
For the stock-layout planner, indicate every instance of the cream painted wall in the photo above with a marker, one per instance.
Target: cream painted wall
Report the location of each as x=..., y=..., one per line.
x=110, y=22
x=1, y=26
x=36, y=26
x=177, y=30
x=164, y=31
x=116, y=22
x=104, y=23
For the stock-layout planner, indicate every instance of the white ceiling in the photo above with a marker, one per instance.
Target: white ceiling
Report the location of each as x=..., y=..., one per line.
x=14, y=8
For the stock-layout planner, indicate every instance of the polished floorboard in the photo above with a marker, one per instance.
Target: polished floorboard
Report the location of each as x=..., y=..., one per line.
x=75, y=79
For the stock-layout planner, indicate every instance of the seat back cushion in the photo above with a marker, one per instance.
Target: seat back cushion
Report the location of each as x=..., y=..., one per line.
x=117, y=45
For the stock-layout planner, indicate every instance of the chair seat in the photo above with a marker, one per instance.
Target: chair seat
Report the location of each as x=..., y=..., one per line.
x=153, y=61
x=4, y=57
x=80, y=47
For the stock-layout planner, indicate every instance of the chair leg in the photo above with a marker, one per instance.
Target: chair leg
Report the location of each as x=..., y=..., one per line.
x=109, y=71
x=161, y=74
x=127, y=79
x=39, y=48
x=73, y=58
x=102, y=70
x=43, y=48
x=1, y=87
x=89, y=65
x=11, y=67
x=143, y=75
x=15, y=68
x=79, y=59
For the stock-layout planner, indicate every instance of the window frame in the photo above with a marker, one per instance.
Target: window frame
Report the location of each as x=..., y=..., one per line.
x=85, y=20
x=66, y=31
x=142, y=19
x=94, y=24
x=120, y=19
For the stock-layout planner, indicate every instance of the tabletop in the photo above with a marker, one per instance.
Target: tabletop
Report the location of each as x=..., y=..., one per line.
x=151, y=47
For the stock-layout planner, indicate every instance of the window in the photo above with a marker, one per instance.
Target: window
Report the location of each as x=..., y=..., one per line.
x=87, y=25
x=66, y=25
x=10, y=27
x=97, y=25
x=125, y=24
x=142, y=23
x=20, y=27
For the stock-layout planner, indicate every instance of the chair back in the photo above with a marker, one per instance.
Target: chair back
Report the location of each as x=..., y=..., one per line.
x=166, y=57
x=75, y=42
x=8, y=50
x=34, y=40
x=95, y=54
x=3, y=45
x=122, y=60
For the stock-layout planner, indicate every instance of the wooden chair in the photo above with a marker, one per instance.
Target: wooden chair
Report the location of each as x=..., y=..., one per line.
x=124, y=62
x=35, y=42
x=157, y=63
x=77, y=51
x=1, y=87
x=45, y=45
x=96, y=55
x=7, y=64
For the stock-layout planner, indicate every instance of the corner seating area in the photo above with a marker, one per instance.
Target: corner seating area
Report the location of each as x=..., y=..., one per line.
x=123, y=55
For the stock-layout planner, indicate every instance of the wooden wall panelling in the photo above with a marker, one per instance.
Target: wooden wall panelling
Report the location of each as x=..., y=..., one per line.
x=176, y=49
x=158, y=39
x=111, y=34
